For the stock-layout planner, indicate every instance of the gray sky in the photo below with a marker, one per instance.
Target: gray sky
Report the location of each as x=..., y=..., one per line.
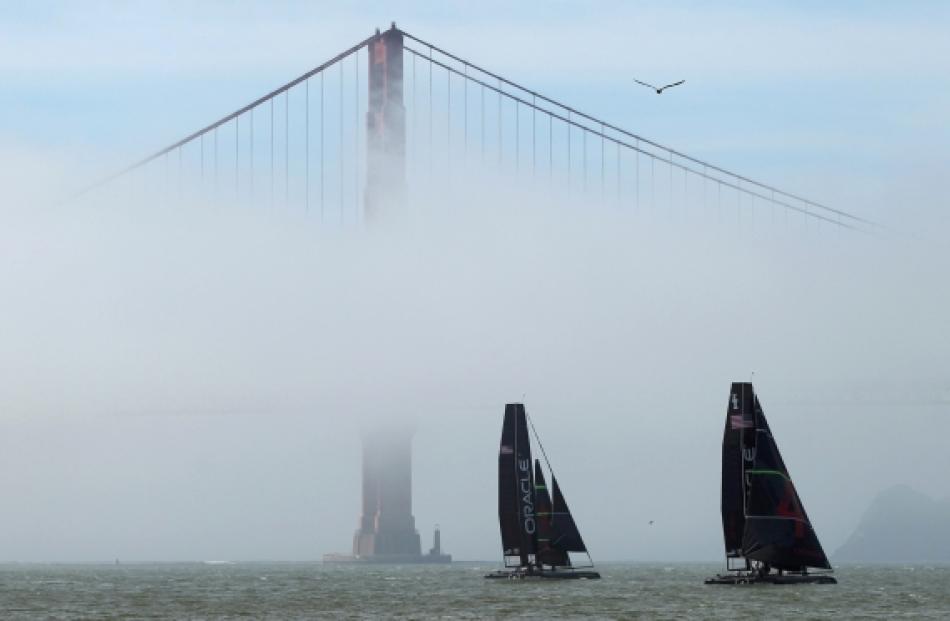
x=187, y=381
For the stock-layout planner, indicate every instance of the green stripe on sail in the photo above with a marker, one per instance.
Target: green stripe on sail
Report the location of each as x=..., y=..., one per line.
x=777, y=473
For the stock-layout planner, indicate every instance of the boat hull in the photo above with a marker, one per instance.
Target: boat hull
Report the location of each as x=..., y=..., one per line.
x=751, y=578
x=519, y=574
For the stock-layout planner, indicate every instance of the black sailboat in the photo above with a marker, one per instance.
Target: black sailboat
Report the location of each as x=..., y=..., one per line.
x=538, y=532
x=768, y=536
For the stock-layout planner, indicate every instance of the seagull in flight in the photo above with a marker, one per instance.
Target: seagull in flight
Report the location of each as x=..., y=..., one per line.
x=659, y=90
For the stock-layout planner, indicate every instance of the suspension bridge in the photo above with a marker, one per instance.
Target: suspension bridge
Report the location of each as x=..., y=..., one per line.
x=360, y=138
x=371, y=128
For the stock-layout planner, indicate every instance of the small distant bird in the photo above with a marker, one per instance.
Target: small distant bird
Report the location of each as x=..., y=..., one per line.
x=659, y=91
x=651, y=522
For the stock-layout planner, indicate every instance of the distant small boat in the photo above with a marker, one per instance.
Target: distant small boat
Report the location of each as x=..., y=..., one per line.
x=538, y=532
x=763, y=520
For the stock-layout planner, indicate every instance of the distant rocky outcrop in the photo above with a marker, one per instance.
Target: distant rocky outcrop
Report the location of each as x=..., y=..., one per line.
x=902, y=525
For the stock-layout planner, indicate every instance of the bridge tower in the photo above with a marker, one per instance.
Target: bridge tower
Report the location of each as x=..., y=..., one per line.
x=387, y=527
x=385, y=194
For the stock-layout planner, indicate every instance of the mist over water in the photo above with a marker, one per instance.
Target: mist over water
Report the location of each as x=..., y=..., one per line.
x=187, y=380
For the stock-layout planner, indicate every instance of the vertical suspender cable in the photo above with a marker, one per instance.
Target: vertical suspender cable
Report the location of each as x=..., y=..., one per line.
x=250, y=160
x=652, y=182
x=569, y=158
x=415, y=133
x=618, y=174
x=464, y=109
x=482, y=109
x=603, y=163
x=718, y=200
x=751, y=211
x=705, y=188
x=430, y=113
x=584, y=160
x=272, y=151
x=237, y=120
x=534, y=137
x=499, y=125
x=671, y=182
x=342, y=168
x=322, y=73
x=637, y=178
x=739, y=207
x=517, y=135
x=306, y=134
x=448, y=120
x=287, y=147
x=738, y=203
x=356, y=133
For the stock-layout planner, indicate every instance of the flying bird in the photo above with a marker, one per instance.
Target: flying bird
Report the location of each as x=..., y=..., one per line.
x=659, y=90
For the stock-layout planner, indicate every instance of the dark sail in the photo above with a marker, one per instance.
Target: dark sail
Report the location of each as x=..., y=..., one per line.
x=777, y=530
x=566, y=535
x=516, y=494
x=548, y=553
x=739, y=417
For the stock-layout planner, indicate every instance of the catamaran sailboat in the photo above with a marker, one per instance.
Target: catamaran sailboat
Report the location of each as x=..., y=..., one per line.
x=537, y=529
x=768, y=536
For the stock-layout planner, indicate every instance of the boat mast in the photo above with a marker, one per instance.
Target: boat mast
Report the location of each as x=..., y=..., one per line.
x=742, y=480
x=522, y=549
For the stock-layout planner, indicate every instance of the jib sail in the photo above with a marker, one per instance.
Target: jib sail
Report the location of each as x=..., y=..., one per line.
x=549, y=553
x=567, y=536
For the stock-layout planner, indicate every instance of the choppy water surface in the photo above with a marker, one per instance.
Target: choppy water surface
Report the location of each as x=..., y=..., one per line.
x=296, y=591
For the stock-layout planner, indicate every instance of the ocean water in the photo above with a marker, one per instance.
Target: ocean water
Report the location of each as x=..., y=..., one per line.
x=315, y=591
